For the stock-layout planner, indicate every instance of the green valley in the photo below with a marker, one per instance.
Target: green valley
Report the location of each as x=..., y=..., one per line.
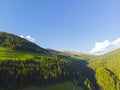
x=26, y=66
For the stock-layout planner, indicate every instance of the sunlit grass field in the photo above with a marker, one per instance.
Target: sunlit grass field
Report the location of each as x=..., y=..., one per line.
x=17, y=55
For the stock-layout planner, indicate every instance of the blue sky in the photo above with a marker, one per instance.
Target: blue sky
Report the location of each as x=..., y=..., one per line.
x=79, y=25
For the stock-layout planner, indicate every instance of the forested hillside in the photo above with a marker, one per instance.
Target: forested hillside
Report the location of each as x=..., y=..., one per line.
x=18, y=74
x=23, y=64
x=107, y=68
x=13, y=42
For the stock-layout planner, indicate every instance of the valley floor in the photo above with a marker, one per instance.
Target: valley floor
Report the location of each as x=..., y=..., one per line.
x=61, y=86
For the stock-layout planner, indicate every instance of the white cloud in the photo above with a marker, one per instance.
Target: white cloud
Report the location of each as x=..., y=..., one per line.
x=28, y=37
x=21, y=36
x=116, y=42
x=100, y=47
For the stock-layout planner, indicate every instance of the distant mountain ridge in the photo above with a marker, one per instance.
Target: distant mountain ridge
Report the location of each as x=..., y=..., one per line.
x=72, y=52
x=79, y=54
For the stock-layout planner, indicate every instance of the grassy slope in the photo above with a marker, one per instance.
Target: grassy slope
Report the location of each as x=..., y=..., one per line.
x=61, y=86
x=107, y=60
x=22, y=55
x=107, y=68
x=77, y=55
x=8, y=53
x=17, y=55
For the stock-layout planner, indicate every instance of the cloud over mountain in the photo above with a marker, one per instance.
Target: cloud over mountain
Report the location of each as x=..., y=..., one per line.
x=101, y=47
x=116, y=42
x=28, y=37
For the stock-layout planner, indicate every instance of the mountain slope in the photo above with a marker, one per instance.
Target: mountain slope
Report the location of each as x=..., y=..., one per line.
x=102, y=60
x=13, y=42
x=107, y=68
x=24, y=64
x=78, y=55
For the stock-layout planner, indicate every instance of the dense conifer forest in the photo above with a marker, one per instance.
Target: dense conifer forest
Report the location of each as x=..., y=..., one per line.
x=24, y=64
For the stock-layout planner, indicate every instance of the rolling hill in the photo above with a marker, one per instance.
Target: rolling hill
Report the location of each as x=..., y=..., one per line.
x=24, y=64
x=14, y=42
x=107, y=68
x=27, y=66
